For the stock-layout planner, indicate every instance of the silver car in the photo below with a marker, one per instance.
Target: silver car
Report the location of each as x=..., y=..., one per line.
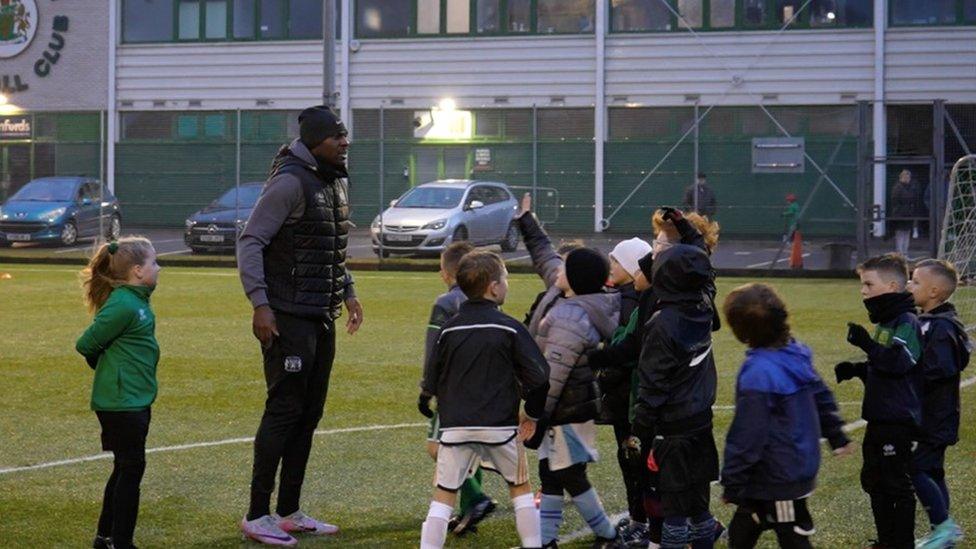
x=429, y=217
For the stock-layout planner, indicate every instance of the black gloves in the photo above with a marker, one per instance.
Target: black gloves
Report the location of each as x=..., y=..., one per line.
x=632, y=448
x=672, y=214
x=423, y=404
x=850, y=370
x=858, y=336
x=844, y=371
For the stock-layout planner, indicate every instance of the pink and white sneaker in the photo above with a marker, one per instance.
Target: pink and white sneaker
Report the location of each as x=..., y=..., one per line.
x=300, y=523
x=266, y=530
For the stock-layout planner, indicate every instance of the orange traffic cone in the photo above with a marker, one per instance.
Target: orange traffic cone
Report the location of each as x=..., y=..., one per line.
x=796, y=252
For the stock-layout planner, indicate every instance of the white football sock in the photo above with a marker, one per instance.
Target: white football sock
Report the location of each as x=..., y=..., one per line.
x=527, y=520
x=433, y=534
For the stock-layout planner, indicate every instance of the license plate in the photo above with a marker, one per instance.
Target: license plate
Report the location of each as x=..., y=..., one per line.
x=399, y=237
x=212, y=238
x=15, y=237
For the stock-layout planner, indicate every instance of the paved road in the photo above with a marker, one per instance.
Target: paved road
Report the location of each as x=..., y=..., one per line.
x=730, y=254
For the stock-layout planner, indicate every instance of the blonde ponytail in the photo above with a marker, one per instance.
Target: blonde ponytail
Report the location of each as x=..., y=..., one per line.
x=109, y=268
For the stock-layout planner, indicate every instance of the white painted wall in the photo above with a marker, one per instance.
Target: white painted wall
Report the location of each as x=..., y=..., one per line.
x=931, y=63
x=800, y=67
x=222, y=76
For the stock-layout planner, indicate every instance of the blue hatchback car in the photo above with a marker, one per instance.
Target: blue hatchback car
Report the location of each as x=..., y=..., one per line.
x=60, y=210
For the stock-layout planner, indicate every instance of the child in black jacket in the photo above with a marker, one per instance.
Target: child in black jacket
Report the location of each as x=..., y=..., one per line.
x=676, y=391
x=892, y=407
x=945, y=355
x=482, y=364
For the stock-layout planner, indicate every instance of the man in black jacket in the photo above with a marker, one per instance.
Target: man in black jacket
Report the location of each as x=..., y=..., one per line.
x=677, y=382
x=291, y=258
x=484, y=361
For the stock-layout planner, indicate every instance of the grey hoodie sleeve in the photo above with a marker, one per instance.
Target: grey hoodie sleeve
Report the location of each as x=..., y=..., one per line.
x=281, y=201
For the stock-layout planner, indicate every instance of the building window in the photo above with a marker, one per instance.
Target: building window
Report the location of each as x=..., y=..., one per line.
x=189, y=21
x=566, y=16
x=754, y=13
x=379, y=18
x=691, y=14
x=305, y=18
x=147, y=20
x=639, y=15
x=931, y=12
x=488, y=16
x=519, y=16
x=193, y=20
x=428, y=16
x=458, y=16
x=245, y=18
x=722, y=14
x=215, y=20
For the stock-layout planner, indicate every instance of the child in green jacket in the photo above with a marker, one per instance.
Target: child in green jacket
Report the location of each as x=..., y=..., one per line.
x=120, y=345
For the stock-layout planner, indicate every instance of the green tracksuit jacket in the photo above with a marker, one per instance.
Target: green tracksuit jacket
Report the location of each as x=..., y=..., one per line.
x=122, y=342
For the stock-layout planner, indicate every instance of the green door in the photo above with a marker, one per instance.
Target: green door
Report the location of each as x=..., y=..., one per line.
x=433, y=163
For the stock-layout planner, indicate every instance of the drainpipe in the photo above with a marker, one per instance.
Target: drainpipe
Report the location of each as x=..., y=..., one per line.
x=111, y=114
x=600, y=113
x=879, y=119
x=344, y=85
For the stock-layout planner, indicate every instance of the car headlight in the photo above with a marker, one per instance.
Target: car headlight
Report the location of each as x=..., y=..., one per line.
x=53, y=215
x=190, y=223
x=435, y=225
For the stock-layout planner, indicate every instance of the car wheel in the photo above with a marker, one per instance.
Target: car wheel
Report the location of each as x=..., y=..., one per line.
x=69, y=234
x=196, y=250
x=461, y=233
x=510, y=244
x=114, y=229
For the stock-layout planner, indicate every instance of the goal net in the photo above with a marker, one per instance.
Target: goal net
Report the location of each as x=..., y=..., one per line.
x=958, y=242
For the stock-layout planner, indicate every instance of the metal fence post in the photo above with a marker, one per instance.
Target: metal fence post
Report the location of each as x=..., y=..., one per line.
x=382, y=176
x=237, y=177
x=535, y=156
x=864, y=169
x=101, y=177
x=694, y=175
x=937, y=183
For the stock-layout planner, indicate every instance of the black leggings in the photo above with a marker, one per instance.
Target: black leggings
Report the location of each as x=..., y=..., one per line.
x=571, y=479
x=634, y=471
x=124, y=434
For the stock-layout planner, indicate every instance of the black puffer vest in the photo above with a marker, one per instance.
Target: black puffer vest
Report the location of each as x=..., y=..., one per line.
x=305, y=263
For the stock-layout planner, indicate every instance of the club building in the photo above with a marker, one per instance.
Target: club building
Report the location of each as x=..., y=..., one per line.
x=593, y=102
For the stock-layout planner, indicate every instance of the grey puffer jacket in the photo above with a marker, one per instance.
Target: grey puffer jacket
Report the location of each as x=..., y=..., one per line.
x=572, y=327
x=546, y=263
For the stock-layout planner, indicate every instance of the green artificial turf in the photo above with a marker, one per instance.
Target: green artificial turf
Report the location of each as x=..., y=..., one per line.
x=375, y=484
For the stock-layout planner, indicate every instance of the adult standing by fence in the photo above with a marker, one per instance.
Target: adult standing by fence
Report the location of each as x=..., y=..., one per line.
x=706, y=203
x=291, y=258
x=904, y=207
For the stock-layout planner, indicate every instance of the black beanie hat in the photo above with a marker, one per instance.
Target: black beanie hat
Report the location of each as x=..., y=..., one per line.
x=646, y=265
x=315, y=124
x=586, y=271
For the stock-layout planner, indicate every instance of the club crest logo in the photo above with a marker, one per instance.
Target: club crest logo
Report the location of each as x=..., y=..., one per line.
x=888, y=450
x=293, y=364
x=18, y=25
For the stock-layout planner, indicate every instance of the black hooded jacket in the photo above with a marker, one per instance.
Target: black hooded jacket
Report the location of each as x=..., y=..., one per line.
x=945, y=354
x=676, y=370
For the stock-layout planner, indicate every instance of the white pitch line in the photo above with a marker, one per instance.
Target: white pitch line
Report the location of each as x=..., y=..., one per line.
x=767, y=263
x=173, y=252
x=208, y=444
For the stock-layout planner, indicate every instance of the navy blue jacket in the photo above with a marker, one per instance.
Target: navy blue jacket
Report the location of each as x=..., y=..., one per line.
x=782, y=409
x=893, y=379
x=945, y=355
